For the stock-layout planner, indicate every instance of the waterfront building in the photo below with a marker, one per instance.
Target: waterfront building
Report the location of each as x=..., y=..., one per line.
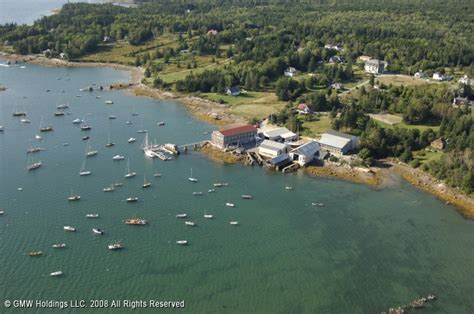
x=305, y=153
x=337, y=143
x=234, y=136
x=272, y=149
x=280, y=135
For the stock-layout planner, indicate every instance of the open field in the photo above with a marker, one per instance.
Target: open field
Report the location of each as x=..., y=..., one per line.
x=386, y=118
x=399, y=79
x=427, y=155
x=420, y=127
x=314, y=128
x=249, y=104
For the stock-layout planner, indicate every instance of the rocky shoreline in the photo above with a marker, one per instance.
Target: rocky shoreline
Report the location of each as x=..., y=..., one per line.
x=219, y=115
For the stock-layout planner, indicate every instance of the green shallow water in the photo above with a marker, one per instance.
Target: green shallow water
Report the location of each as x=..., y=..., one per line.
x=364, y=251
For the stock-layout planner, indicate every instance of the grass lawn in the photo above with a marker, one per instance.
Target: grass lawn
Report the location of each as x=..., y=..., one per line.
x=420, y=127
x=172, y=73
x=313, y=128
x=426, y=156
x=250, y=104
x=398, y=80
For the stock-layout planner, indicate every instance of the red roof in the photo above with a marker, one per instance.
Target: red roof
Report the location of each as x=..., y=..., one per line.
x=238, y=130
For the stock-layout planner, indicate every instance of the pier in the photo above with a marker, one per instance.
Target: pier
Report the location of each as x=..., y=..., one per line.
x=194, y=146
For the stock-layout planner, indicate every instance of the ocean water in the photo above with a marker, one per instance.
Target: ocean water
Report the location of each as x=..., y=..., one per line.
x=27, y=11
x=364, y=251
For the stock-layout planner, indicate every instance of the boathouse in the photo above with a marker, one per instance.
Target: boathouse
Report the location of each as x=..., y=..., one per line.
x=337, y=143
x=272, y=149
x=305, y=153
x=235, y=136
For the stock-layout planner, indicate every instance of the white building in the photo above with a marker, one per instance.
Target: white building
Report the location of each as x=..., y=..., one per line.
x=338, y=143
x=439, y=77
x=272, y=149
x=464, y=80
x=305, y=153
x=374, y=66
x=290, y=72
x=420, y=74
x=279, y=135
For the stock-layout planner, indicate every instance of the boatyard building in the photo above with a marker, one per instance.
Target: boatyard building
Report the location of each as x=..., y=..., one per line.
x=235, y=136
x=272, y=149
x=305, y=153
x=337, y=143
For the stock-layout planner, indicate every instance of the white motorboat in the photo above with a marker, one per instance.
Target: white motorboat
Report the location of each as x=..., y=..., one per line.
x=109, y=102
x=132, y=199
x=118, y=184
x=317, y=204
x=207, y=216
x=288, y=188
x=2, y=212
x=131, y=140
x=197, y=193
x=92, y=215
x=234, y=223
x=115, y=246
x=77, y=121
x=62, y=106
x=38, y=137
x=128, y=122
x=247, y=197
x=182, y=242
x=112, y=117
x=69, y=228
x=1, y=128
x=56, y=273
x=98, y=231
x=59, y=245
x=74, y=197
x=211, y=190
x=118, y=157
x=228, y=204
x=161, y=123
x=108, y=189
x=190, y=223
x=157, y=174
x=181, y=215
x=25, y=121
x=34, y=166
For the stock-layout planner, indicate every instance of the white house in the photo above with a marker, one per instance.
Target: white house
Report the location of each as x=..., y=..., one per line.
x=338, y=143
x=233, y=91
x=420, y=74
x=303, y=109
x=272, y=149
x=290, y=72
x=439, y=77
x=464, y=80
x=374, y=66
x=305, y=153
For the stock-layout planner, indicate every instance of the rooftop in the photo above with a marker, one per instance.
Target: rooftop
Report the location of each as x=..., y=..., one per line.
x=340, y=134
x=309, y=148
x=272, y=145
x=333, y=140
x=238, y=130
x=275, y=132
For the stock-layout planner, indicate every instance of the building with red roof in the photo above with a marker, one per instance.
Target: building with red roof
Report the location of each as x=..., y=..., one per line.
x=235, y=136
